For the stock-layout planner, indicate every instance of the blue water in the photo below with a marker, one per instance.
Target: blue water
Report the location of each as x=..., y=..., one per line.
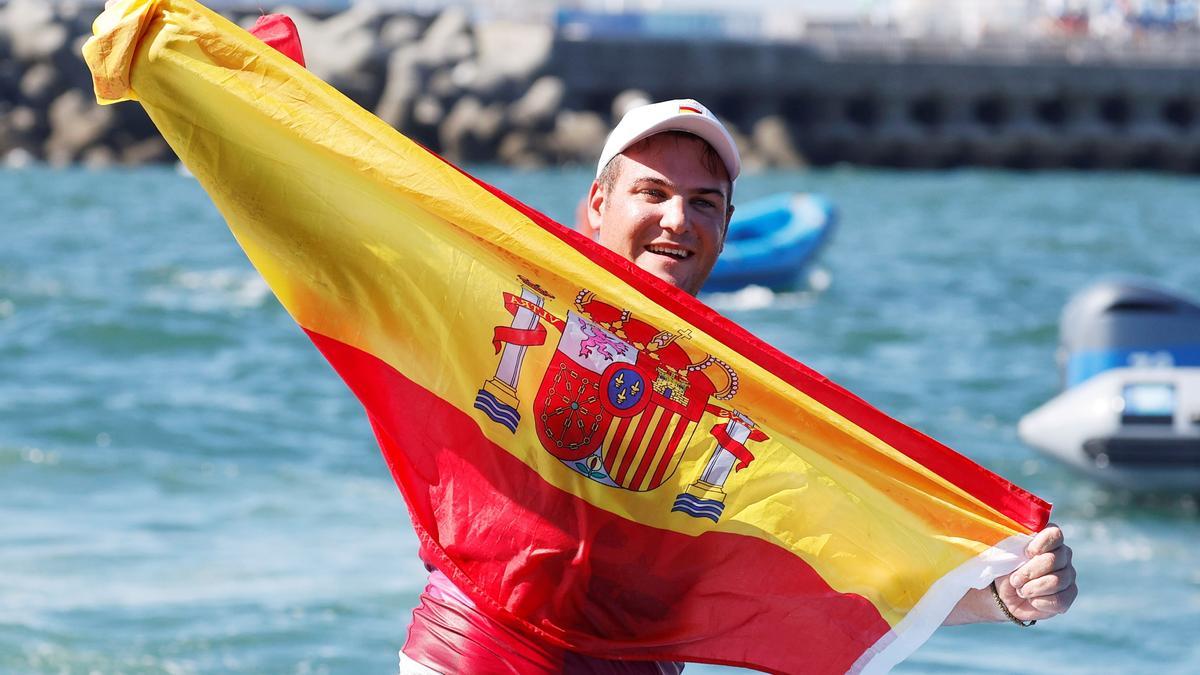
x=186, y=487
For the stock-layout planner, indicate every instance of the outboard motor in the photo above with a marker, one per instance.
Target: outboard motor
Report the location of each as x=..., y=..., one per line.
x=1118, y=323
x=1129, y=414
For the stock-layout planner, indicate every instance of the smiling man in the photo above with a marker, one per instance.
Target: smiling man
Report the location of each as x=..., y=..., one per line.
x=663, y=193
x=662, y=199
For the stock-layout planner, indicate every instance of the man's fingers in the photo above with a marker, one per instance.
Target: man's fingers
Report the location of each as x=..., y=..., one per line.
x=1057, y=603
x=1045, y=584
x=1041, y=565
x=1045, y=541
x=1048, y=585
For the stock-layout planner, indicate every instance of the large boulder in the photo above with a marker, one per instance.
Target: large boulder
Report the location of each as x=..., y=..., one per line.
x=343, y=51
x=22, y=121
x=628, y=100
x=17, y=158
x=750, y=159
x=22, y=128
x=578, y=136
x=401, y=88
x=471, y=131
x=398, y=32
x=427, y=115
x=146, y=151
x=31, y=30
x=8, y=135
x=441, y=83
x=464, y=75
x=510, y=54
x=521, y=148
x=539, y=104
x=98, y=157
x=76, y=123
x=774, y=145
x=447, y=40
x=40, y=84
x=427, y=110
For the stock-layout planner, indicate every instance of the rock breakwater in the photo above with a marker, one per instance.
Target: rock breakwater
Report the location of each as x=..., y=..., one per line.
x=520, y=93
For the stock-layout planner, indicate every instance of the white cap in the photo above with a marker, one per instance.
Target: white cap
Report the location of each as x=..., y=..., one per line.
x=682, y=114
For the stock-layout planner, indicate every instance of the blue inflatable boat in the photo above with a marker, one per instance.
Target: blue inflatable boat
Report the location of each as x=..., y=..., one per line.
x=771, y=241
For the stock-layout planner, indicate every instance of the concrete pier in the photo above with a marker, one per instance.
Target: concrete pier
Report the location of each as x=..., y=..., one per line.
x=528, y=93
x=920, y=108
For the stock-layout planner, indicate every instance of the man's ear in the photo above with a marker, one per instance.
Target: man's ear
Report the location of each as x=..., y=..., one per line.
x=725, y=234
x=595, y=208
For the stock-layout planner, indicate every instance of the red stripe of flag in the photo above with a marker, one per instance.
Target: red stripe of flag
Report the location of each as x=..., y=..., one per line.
x=279, y=32
x=600, y=584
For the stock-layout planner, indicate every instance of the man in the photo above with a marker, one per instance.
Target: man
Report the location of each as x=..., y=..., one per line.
x=662, y=199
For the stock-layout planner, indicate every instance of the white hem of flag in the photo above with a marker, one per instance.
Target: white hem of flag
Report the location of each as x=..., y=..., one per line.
x=933, y=608
x=411, y=667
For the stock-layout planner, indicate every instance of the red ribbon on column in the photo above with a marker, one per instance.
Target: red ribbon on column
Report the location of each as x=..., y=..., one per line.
x=524, y=337
x=739, y=451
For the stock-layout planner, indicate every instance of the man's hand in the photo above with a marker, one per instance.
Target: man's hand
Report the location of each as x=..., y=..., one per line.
x=1039, y=589
x=1045, y=585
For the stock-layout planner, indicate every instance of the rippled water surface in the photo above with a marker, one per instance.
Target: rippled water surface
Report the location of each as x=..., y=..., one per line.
x=185, y=485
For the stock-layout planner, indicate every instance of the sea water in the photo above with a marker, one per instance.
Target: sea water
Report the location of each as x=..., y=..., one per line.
x=187, y=487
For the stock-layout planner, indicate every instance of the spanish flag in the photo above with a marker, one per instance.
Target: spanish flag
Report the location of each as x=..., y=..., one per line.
x=595, y=458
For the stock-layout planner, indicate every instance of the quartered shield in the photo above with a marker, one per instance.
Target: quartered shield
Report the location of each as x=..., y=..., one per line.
x=615, y=414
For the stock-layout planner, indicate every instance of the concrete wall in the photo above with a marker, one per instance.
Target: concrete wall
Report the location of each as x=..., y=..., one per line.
x=917, y=110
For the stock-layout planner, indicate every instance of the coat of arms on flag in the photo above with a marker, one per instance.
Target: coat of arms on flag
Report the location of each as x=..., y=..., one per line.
x=620, y=399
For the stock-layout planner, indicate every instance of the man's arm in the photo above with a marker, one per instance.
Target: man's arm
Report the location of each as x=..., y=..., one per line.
x=1044, y=586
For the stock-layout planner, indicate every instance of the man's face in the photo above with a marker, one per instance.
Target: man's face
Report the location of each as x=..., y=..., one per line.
x=665, y=211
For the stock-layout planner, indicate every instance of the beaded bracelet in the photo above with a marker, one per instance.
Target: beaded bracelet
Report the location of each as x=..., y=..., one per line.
x=1007, y=612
